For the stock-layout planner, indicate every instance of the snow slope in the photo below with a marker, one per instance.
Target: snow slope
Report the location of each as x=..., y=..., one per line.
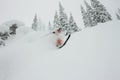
x=92, y=54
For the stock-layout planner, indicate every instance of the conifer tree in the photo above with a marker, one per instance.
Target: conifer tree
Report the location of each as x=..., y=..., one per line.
x=56, y=22
x=118, y=16
x=119, y=10
x=90, y=15
x=85, y=18
x=63, y=19
x=35, y=23
x=101, y=13
x=72, y=25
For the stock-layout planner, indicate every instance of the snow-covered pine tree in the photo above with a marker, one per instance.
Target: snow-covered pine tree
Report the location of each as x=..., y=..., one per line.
x=72, y=25
x=101, y=12
x=119, y=10
x=90, y=15
x=56, y=22
x=35, y=23
x=84, y=16
x=118, y=16
x=63, y=19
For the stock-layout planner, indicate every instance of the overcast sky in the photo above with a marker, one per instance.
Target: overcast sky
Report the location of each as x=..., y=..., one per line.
x=24, y=10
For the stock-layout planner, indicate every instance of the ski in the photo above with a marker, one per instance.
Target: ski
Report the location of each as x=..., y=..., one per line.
x=65, y=41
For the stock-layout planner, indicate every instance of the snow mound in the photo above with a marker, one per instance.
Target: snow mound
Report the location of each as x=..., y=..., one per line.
x=5, y=26
x=21, y=31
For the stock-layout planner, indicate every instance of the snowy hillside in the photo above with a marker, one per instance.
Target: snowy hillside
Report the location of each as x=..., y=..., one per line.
x=92, y=54
x=30, y=52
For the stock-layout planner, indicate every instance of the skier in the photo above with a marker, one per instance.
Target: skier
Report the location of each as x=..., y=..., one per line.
x=59, y=40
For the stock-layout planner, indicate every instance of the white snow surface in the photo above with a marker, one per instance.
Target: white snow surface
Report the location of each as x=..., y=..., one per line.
x=91, y=54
